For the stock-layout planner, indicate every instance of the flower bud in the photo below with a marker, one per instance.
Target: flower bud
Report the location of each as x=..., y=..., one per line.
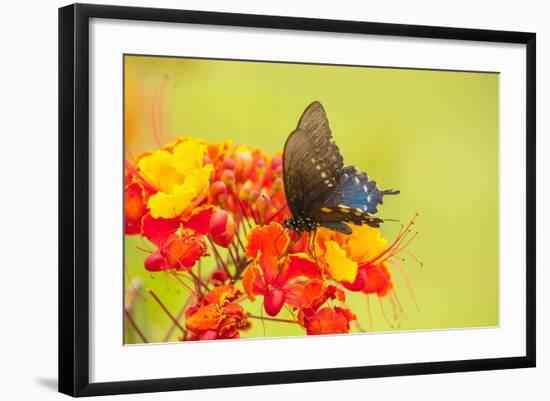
x=222, y=228
x=218, y=192
x=228, y=163
x=228, y=178
x=263, y=204
x=243, y=163
x=277, y=184
x=218, y=277
x=260, y=163
x=276, y=161
x=155, y=262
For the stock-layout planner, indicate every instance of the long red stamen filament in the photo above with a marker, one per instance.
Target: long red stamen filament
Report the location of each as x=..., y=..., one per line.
x=384, y=312
x=402, y=246
x=412, y=255
x=273, y=319
x=178, y=280
x=218, y=257
x=198, y=280
x=371, y=323
x=157, y=97
x=397, y=300
x=276, y=214
x=403, y=232
x=178, y=317
x=408, y=283
x=135, y=326
x=165, y=309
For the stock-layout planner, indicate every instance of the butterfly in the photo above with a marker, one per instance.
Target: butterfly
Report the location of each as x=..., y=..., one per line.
x=320, y=190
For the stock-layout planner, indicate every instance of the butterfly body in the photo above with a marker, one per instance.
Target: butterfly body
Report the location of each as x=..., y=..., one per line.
x=320, y=190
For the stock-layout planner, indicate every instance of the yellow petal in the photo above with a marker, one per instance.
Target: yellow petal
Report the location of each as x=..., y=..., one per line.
x=188, y=156
x=158, y=170
x=170, y=205
x=340, y=267
x=364, y=243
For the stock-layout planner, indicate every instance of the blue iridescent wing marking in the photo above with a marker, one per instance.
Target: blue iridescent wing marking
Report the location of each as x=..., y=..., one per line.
x=354, y=190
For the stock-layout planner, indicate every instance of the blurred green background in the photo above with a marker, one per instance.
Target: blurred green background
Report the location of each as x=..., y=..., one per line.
x=431, y=134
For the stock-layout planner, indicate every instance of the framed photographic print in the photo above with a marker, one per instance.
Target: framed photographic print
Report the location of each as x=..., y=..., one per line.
x=249, y=199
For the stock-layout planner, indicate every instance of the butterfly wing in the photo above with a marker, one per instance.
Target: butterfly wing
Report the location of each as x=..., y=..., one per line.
x=317, y=184
x=354, y=190
x=312, y=164
x=328, y=215
x=353, y=200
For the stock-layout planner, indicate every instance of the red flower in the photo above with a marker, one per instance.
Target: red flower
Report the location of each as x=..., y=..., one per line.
x=296, y=283
x=215, y=316
x=180, y=243
x=135, y=208
x=327, y=320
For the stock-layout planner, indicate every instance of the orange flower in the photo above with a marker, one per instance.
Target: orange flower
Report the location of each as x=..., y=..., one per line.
x=295, y=283
x=216, y=316
x=327, y=320
x=180, y=243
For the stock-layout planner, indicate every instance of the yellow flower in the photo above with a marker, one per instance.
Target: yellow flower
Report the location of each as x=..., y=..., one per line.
x=344, y=253
x=179, y=174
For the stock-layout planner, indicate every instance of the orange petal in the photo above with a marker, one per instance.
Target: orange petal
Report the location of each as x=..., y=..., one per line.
x=205, y=318
x=250, y=277
x=270, y=240
x=182, y=251
x=329, y=321
x=221, y=295
x=303, y=295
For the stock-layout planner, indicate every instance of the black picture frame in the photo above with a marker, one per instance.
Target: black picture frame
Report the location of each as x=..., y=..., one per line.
x=74, y=198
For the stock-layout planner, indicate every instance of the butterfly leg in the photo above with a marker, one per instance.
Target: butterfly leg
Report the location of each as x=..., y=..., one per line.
x=313, y=252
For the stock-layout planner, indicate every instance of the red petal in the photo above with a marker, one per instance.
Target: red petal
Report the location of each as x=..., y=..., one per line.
x=378, y=280
x=360, y=280
x=199, y=219
x=135, y=208
x=156, y=230
x=298, y=265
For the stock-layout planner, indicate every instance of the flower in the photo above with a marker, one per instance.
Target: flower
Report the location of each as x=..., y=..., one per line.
x=179, y=174
x=135, y=208
x=358, y=260
x=216, y=316
x=191, y=190
x=222, y=228
x=293, y=280
x=180, y=243
x=327, y=320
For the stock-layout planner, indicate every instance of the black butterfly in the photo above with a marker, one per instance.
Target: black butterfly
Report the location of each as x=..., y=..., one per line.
x=320, y=190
